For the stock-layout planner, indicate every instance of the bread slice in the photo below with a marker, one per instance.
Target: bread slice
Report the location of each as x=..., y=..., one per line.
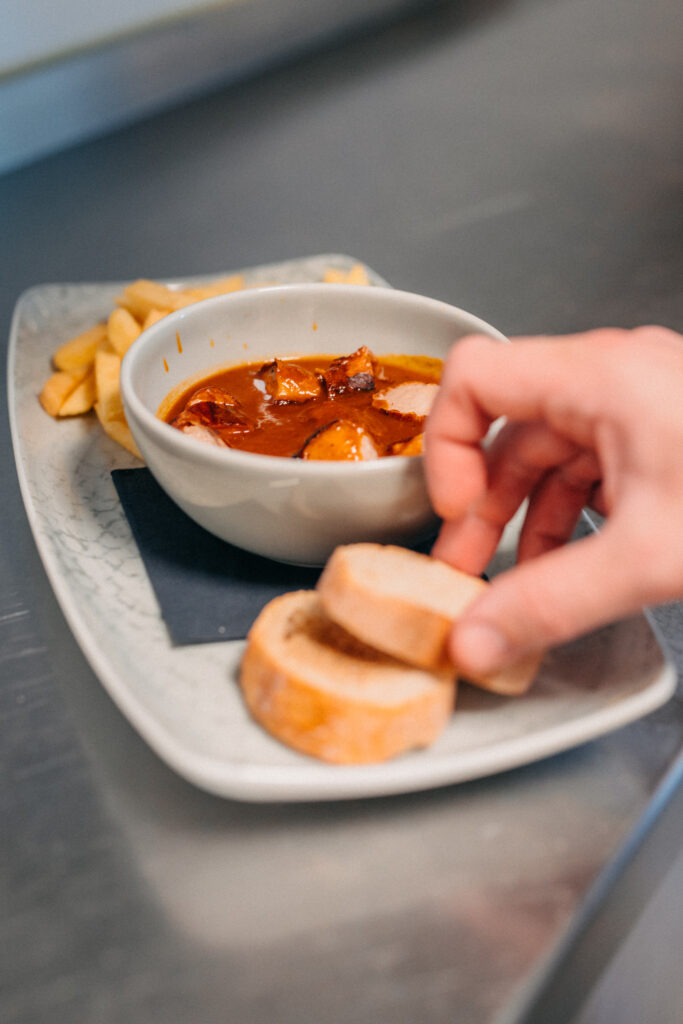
x=327, y=694
x=405, y=604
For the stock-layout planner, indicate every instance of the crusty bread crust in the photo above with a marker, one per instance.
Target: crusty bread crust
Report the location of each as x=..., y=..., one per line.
x=335, y=721
x=391, y=622
x=412, y=625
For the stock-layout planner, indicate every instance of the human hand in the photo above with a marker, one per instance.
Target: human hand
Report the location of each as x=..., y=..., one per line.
x=592, y=419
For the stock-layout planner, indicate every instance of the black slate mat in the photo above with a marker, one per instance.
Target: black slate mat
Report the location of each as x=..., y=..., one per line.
x=207, y=590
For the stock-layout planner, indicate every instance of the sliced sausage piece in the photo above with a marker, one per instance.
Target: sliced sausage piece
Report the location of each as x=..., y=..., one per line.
x=288, y=382
x=212, y=407
x=340, y=440
x=412, y=400
x=204, y=434
x=356, y=372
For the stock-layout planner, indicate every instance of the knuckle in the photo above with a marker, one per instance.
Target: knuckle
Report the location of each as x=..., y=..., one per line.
x=654, y=333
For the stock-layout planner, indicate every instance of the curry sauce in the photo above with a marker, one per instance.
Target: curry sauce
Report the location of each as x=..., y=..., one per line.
x=312, y=407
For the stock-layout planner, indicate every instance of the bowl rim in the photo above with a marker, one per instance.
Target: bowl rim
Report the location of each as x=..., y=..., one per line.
x=172, y=440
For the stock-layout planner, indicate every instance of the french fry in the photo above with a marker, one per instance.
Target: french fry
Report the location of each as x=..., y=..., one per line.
x=153, y=317
x=81, y=399
x=118, y=430
x=356, y=274
x=78, y=353
x=57, y=389
x=234, y=283
x=122, y=330
x=332, y=276
x=107, y=368
x=142, y=296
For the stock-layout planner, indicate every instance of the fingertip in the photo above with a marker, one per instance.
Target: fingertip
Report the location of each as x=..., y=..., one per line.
x=478, y=648
x=455, y=475
x=467, y=544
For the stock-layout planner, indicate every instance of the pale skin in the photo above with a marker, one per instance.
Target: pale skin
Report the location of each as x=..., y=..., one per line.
x=593, y=419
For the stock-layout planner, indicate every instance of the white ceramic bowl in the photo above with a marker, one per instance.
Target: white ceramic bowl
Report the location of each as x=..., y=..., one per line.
x=286, y=509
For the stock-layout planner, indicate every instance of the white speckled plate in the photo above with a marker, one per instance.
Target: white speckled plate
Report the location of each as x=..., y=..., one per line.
x=185, y=701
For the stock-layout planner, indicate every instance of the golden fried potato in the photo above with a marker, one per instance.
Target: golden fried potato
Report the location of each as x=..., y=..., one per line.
x=153, y=317
x=81, y=399
x=57, y=389
x=78, y=354
x=107, y=368
x=142, y=296
x=122, y=330
x=234, y=283
x=118, y=430
x=356, y=274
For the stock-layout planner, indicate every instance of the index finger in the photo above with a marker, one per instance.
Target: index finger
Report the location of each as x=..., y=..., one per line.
x=455, y=466
x=529, y=380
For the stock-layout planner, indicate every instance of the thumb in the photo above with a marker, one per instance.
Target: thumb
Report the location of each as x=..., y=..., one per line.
x=547, y=600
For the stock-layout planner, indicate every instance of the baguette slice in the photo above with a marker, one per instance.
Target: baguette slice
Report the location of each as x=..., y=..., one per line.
x=325, y=693
x=405, y=604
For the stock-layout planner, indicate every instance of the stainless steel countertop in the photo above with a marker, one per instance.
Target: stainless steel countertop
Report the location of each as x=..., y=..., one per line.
x=522, y=160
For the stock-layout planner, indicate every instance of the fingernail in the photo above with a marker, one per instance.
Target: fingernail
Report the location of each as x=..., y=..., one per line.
x=480, y=647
